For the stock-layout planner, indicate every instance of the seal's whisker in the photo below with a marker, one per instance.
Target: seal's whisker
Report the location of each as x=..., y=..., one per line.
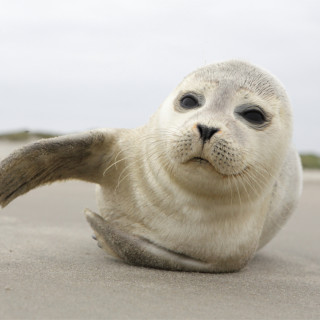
x=112, y=165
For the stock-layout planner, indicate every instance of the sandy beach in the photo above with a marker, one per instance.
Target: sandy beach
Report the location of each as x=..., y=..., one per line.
x=50, y=268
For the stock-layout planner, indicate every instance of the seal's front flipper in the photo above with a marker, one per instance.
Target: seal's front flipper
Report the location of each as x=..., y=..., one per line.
x=139, y=251
x=79, y=156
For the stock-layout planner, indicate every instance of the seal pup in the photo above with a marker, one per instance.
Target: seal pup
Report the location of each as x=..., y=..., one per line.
x=206, y=182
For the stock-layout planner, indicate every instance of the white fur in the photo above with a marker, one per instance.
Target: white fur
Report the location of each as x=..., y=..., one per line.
x=204, y=210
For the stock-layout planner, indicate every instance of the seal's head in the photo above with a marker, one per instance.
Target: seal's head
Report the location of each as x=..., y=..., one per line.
x=231, y=119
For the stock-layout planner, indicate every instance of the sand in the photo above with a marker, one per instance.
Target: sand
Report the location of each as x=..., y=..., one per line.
x=50, y=268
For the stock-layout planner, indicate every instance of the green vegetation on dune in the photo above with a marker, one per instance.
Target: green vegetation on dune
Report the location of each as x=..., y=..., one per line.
x=310, y=161
x=25, y=136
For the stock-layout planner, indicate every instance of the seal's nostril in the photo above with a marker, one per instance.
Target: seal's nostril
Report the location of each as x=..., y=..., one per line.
x=206, y=132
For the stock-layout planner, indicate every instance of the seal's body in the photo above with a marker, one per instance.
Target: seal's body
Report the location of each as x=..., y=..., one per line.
x=210, y=179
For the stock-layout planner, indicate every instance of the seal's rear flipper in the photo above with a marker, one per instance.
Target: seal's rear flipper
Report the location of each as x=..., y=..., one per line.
x=79, y=156
x=139, y=251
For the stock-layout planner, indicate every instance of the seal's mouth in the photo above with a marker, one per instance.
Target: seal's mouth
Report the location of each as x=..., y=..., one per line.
x=207, y=164
x=199, y=160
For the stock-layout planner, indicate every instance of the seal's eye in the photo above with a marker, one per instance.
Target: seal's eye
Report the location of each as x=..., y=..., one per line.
x=189, y=102
x=254, y=116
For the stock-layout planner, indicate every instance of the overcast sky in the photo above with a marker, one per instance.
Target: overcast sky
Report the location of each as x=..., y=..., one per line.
x=68, y=66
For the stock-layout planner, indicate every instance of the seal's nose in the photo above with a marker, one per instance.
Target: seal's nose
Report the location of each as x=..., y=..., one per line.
x=206, y=132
